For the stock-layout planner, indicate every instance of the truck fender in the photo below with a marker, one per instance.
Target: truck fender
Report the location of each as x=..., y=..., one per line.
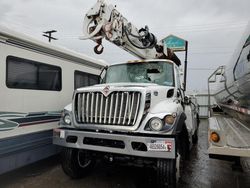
x=180, y=123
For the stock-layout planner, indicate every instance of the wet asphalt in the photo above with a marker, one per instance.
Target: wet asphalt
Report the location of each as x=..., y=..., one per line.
x=199, y=172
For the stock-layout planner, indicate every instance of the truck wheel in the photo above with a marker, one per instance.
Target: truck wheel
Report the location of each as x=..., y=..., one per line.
x=166, y=173
x=198, y=120
x=195, y=137
x=183, y=144
x=76, y=163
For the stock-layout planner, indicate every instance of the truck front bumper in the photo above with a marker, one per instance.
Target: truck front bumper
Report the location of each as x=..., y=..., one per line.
x=133, y=145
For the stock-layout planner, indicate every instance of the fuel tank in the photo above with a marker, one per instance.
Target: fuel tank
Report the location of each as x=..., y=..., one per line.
x=233, y=92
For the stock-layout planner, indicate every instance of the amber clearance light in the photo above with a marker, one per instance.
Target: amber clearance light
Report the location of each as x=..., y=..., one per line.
x=169, y=119
x=214, y=137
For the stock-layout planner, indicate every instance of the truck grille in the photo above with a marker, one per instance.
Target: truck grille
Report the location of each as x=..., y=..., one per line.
x=118, y=108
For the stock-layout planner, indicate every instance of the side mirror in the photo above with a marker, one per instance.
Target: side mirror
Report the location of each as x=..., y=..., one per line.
x=178, y=94
x=187, y=100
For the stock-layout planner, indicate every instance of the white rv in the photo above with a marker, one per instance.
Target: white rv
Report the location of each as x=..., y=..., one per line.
x=36, y=82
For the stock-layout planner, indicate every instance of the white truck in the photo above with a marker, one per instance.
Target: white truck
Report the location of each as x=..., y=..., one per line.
x=139, y=113
x=229, y=130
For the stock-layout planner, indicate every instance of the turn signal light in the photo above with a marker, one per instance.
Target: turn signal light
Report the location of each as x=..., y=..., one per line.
x=214, y=137
x=169, y=119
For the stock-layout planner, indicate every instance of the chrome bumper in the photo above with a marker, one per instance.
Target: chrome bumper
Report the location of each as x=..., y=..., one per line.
x=75, y=139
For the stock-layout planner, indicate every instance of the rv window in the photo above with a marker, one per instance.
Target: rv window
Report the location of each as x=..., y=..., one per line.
x=28, y=74
x=83, y=79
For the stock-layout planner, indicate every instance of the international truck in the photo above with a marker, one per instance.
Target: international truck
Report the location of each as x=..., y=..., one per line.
x=138, y=114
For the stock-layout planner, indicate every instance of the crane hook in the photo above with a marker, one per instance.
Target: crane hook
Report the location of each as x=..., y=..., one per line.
x=98, y=49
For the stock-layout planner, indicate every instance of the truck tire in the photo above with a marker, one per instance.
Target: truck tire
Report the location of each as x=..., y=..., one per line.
x=195, y=137
x=76, y=163
x=183, y=144
x=166, y=173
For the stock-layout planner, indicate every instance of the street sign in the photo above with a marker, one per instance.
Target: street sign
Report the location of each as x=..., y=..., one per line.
x=175, y=43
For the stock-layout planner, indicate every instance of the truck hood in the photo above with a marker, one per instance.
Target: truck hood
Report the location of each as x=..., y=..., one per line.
x=149, y=87
x=120, y=85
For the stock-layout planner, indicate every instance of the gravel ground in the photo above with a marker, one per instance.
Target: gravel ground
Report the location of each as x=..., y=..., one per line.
x=200, y=172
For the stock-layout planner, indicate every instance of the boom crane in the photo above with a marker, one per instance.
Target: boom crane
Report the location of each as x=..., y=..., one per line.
x=139, y=114
x=104, y=21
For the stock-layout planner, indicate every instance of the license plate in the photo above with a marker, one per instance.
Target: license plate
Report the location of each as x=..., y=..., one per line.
x=160, y=146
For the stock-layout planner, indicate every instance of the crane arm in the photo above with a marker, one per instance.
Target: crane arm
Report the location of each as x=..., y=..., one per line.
x=104, y=21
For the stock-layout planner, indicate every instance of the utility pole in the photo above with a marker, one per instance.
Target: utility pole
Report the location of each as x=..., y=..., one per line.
x=48, y=35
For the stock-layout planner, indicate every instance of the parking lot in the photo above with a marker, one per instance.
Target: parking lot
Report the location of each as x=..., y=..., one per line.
x=200, y=171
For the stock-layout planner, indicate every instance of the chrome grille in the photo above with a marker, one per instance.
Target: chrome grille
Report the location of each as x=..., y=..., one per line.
x=118, y=108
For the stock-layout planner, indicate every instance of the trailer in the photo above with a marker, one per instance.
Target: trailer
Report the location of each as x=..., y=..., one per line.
x=229, y=122
x=36, y=82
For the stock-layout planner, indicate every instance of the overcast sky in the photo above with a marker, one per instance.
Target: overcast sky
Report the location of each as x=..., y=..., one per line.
x=212, y=27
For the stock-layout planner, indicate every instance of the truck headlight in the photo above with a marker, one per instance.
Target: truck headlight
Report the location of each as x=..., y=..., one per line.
x=156, y=124
x=67, y=119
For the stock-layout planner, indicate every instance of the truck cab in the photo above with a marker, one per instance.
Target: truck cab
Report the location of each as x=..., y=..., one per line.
x=138, y=114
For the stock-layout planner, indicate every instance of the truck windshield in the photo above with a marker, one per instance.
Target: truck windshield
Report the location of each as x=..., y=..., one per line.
x=158, y=72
